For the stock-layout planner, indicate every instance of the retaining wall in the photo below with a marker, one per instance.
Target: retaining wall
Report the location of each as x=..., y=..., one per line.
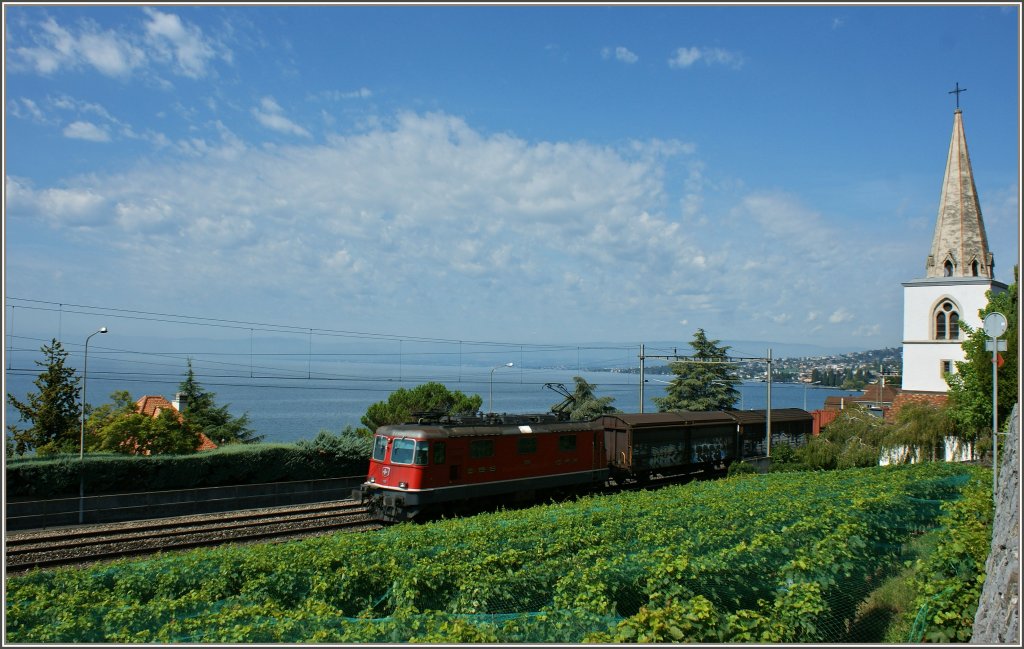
x=110, y=508
x=998, y=618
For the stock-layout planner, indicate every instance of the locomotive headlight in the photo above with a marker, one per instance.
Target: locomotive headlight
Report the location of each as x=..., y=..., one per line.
x=372, y=480
x=403, y=485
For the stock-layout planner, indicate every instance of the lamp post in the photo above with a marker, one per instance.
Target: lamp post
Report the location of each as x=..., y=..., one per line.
x=81, y=439
x=805, y=392
x=995, y=326
x=490, y=390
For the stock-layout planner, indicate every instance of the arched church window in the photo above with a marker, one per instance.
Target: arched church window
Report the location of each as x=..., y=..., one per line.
x=947, y=321
x=947, y=268
x=974, y=268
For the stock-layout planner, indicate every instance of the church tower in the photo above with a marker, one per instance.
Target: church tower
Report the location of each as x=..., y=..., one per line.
x=958, y=272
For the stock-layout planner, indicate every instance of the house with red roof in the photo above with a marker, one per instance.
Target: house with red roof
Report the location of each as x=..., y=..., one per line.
x=152, y=405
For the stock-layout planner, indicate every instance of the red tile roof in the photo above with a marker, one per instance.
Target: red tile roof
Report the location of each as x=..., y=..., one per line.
x=152, y=405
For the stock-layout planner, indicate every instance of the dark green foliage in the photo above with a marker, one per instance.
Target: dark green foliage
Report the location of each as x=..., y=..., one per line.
x=773, y=559
x=53, y=413
x=970, y=387
x=428, y=397
x=702, y=386
x=921, y=428
x=741, y=468
x=118, y=428
x=234, y=464
x=586, y=405
x=949, y=580
x=785, y=458
x=204, y=415
x=348, y=444
x=853, y=439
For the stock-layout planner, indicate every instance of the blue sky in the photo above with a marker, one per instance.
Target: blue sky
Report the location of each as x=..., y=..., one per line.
x=532, y=174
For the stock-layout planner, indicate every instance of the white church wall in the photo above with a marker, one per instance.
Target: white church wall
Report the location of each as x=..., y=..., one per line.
x=923, y=356
x=955, y=451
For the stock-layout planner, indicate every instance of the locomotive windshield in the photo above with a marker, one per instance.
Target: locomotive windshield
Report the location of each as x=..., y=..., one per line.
x=409, y=451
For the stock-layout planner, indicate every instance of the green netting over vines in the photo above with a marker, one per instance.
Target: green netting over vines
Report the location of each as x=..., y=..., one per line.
x=782, y=557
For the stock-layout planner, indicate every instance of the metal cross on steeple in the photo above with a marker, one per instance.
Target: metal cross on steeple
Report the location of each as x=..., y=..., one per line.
x=957, y=90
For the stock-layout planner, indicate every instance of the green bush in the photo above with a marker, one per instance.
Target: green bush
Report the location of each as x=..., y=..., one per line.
x=329, y=456
x=740, y=468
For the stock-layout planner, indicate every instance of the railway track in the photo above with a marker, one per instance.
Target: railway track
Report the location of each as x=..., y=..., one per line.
x=94, y=543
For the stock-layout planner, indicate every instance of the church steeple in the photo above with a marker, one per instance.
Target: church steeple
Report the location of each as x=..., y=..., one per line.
x=959, y=246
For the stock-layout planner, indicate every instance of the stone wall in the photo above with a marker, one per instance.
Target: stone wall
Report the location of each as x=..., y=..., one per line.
x=998, y=617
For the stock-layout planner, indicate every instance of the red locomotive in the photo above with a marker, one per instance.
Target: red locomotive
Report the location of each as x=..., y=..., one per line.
x=442, y=463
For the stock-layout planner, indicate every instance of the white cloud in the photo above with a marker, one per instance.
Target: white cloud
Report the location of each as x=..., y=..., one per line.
x=62, y=207
x=110, y=54
x=868, y=331
x=379, y=220
x=25, y=108
x=619, y=53
x=56, y=47
x=343, y=95
x=51, y=47
x=393, y=214
x=842, y=314
x=185, y=44
x=685, y=57
x=86, y=131
x=271, y=115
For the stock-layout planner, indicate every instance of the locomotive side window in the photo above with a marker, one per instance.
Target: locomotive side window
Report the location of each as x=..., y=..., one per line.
x=402, y=451
x=527, y=445
x=421, y=455
x=438, y=452
x=481, y=448
x=567, y=443
x=380, y=446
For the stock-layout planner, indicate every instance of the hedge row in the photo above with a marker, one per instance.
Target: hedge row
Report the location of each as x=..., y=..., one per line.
x=58, y=476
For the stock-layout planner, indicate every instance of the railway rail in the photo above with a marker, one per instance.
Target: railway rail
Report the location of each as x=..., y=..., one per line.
x=88, y=544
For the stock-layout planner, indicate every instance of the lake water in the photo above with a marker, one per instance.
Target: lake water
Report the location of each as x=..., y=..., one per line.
x=290, y=407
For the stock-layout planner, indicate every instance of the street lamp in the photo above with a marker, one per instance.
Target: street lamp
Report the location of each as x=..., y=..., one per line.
x=490, y=395
x=805, y=392
x=81, y=439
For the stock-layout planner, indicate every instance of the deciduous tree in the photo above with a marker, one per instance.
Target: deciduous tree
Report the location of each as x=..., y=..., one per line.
x=970, y=387
x=117, y=427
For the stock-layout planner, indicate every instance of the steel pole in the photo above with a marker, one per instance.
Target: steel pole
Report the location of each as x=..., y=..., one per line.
x=641, y=377
x=81, y=436
x=768, y=412
x=995, y=414
x=490, y=392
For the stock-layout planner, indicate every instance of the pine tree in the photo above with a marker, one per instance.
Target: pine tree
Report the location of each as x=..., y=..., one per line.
x=702, y=386
x=204, y=415
x=53, y=412
x=428, y=397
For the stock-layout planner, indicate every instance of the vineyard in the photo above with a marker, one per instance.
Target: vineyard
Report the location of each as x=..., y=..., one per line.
x=782, y=557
